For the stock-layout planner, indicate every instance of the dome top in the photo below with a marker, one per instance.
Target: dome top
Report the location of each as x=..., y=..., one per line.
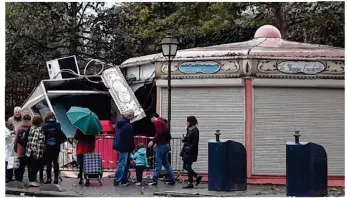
x=267, y=31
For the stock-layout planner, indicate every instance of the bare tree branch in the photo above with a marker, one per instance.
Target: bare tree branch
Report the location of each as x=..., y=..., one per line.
x=90, y=39
x=81, y=19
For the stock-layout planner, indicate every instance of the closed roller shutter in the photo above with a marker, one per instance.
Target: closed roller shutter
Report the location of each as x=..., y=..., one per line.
x=215, y=108
x=317, y=113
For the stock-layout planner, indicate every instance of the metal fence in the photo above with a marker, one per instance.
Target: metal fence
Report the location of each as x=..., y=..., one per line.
x=68, y=159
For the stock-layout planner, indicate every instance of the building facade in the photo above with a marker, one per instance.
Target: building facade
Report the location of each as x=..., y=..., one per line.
x=258, y=93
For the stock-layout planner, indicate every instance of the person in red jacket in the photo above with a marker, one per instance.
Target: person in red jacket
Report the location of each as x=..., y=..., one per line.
x=86, y=144
x=161, y=143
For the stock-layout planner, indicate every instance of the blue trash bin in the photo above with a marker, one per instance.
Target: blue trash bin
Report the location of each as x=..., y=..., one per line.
x=218, y=178
x=306, y=169
x=227, y=165
x=237, y=166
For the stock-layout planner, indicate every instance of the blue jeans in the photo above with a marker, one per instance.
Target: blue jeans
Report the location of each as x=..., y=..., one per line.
x=162, y=159
x=121, y=175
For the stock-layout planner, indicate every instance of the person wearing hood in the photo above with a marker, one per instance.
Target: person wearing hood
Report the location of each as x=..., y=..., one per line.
x=124, y=144
x=9, y=152
x=19, y=149
x=54, y=136
x=141, y=162
x=161, y=142
x=16, y=118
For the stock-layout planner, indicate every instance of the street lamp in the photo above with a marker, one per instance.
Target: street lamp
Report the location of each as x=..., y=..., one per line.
x=169, y=49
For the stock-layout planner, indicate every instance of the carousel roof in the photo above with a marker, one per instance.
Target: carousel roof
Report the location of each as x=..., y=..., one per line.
x=267, y=42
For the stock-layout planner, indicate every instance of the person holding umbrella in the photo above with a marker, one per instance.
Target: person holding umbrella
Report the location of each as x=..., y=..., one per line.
x=88, y=126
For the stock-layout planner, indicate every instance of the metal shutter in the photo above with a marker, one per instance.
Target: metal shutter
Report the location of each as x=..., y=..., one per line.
x=215, y=108
x=317, y=113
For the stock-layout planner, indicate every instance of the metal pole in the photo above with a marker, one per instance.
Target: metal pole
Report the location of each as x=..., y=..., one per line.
x=169, y=96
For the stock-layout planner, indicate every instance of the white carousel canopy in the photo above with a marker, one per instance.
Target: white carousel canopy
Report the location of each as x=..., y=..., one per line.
x=267, y=42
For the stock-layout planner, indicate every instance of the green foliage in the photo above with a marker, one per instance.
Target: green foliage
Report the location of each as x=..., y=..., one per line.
x=37, y=32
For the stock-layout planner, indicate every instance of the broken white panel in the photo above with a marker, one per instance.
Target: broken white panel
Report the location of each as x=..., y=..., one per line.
x=122, y=93
x=35, y=97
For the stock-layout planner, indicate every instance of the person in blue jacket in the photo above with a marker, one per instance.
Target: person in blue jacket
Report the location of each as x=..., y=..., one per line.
x=141, y=162
x=124, y=144
x=54, y=136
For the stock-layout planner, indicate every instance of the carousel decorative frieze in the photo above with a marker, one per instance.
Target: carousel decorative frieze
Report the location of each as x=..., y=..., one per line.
x=300, y=68
x=199, y=68
x=337, y=67
x=267, y=66
x=230, y=66
x=206, y=67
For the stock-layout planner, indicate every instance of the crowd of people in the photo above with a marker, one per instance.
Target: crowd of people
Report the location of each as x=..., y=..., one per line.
x=124, y=144
x=35, y=143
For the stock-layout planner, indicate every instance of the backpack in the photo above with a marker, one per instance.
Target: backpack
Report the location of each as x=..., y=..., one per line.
x=168, y=136
x=23, y=138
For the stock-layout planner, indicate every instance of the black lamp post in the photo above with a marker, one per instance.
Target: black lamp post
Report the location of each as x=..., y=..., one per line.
x=169, y=49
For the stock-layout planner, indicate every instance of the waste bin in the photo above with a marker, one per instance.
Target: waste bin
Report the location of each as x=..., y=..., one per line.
x=306, y=169
x=227, y=169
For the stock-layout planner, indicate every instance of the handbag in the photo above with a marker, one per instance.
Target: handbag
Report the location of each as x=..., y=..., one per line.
x=23, y=139
x=13, y=163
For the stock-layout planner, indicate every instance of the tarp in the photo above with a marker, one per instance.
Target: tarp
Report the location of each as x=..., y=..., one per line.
x=66, y=126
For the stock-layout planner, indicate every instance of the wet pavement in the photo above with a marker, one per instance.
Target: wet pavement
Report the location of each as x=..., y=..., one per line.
x=109, y=190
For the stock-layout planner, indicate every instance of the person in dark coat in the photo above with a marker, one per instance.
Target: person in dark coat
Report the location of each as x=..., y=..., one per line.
x=124, y=144
x=189, y=151
x=54, y=136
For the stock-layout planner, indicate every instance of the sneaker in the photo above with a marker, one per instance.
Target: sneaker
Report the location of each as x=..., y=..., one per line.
x=87, y=183
x=56, y=181
x=125, y=184
x=34, y=184
x=138, y=184
x=198, y=180
x=189, y=185
x=171, y=183
x=153, y=183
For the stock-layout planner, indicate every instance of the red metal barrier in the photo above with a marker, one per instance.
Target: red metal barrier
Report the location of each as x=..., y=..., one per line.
x=103, y=145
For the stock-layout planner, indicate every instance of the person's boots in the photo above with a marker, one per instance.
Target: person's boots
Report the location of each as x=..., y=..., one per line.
x=198, y=180
x=87, y=182
x=81, y=178
x=49, y=180
x=41, y=176
x=56, y=178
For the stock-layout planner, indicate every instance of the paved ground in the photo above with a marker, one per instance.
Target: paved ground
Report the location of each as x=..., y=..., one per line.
x=107, y=189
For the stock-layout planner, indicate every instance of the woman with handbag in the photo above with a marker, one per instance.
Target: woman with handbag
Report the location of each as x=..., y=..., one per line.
x=19, y=147
x=34, y=149
x=190, y=149
x=54, y=136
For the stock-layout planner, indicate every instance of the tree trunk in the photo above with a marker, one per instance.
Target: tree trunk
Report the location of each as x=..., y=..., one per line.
x=73, y=29
x=279, y=17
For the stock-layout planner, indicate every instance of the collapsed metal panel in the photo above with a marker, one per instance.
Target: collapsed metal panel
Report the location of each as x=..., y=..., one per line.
x=122, y=93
